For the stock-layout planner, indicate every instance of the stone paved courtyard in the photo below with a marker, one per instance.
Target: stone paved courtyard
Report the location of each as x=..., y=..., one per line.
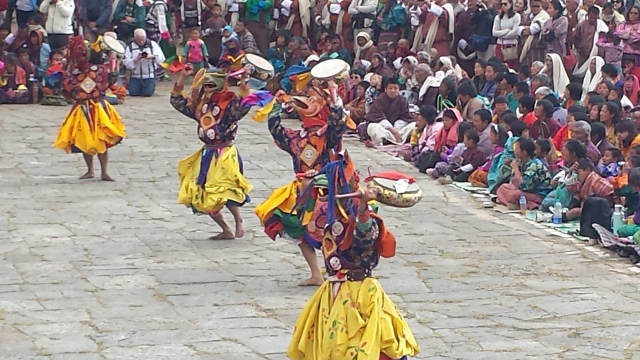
x=93, y=270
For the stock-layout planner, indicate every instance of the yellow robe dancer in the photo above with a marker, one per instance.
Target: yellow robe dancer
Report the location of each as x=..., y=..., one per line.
x=92, y=125
x=350, y=316
x=213, y=177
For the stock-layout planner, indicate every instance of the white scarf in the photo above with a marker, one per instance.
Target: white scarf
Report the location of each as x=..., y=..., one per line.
x=359, y=49
x=580, y=70
x=541, y=18
x=449, y=8
x=560, y=78
x=431, y=81
x=592, y=80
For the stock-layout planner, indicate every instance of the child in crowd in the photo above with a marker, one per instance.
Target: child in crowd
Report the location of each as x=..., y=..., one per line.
x=543, y=147
x=373, y=90
x=196, y=51
x=472, y=158
x=633, y=225
x=356, y=107
x=450, y=156
x=485, y=175
x=227, y=33
x=611, y=46
x=608, y=167
x=24, y=62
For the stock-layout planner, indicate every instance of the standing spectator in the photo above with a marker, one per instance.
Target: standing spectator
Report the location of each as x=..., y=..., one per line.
x=258, y=18
x=24, y=10
x=505, y=29
x=4, y=5
x=191, y=11
x=157, y=29
x=128, y=16
x=59, y=24
x=363, y=16
x=142, y=57
x=554, y=31
x=95, y=17
x=629, y=32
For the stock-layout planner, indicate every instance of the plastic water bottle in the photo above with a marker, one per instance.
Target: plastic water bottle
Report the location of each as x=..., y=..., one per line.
x=523, y=204
x=616, y=218
x=557, y=213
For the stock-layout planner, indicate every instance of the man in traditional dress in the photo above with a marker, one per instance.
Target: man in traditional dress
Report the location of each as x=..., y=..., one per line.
x=212, y=177
x=295, y=15
x=323, y=126
x=334, y=16
x=258, y=18
x=438, y=28
x=92, y=125
x=389, y=118
x=575, y=15
x=350, y=313
x=585, y=37
x=533, y=47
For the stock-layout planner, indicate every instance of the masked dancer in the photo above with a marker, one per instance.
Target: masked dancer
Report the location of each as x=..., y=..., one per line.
x=350, y=316
x=323, y=126
x=93, y=125
x=212, y=177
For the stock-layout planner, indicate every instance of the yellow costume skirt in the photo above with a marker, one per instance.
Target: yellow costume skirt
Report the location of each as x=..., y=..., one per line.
x=360, y=324
x=211, y=178
x=283, y=198
x=90, y=127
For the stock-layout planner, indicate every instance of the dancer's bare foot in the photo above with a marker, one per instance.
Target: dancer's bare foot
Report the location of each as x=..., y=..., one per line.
x=87, y=175
x=106, y=177
x=239, y=230
x=312, y=281
x=225, y=235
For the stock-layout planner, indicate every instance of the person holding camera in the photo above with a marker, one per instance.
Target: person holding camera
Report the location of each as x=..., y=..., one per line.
x=142, y=57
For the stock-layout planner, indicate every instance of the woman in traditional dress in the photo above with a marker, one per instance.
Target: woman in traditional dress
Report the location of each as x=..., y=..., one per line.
x=629, y=32
x=392, y=18
x=92, y=125
x=212, y=177
x=554, y=31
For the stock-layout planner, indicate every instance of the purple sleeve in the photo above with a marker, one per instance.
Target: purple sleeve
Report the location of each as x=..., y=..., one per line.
x=636, y=215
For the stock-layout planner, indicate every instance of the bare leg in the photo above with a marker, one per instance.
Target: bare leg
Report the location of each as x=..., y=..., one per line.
x=574, y=214
x=104, y=161
x=309, y=254
x=88, y=159
x=226, y=233
x=235, y=211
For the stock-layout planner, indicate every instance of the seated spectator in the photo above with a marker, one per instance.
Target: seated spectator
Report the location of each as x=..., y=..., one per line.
x=468, y=100
x=480, y=178
x=632, y=228
x=526, y=107
x=375, y=88
x=608, y=166
x=356, y=107
x=581, y=131
x=427, y=119
x=500, y=105
x=589, y=184
x=471, y=159
x=481, y=122
x=26, y=65
x=530, y=178
x=543, y=148
x=142, y=57
x=572, y=152
x=389, y=118
x=14, y=91
x=599, y=137
x=448, y=155
x=545, y=125
x=627, y=135
x=572, y=95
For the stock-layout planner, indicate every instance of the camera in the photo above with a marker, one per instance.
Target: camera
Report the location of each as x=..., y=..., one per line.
x=144, y=54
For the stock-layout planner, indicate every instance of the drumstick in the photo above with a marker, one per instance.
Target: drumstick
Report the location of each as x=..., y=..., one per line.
x=352, y=195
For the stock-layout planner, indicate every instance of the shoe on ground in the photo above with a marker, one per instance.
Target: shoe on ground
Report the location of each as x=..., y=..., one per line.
x=445, y=180
x=543, y=217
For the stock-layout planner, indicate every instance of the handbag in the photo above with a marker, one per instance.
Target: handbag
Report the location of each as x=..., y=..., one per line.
x=509, y=53
x=479, y=42
x=570, y=60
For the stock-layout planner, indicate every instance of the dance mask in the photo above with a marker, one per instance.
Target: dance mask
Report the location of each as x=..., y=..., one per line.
x=208, y=82
x=313, y=109
x=78, y=53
